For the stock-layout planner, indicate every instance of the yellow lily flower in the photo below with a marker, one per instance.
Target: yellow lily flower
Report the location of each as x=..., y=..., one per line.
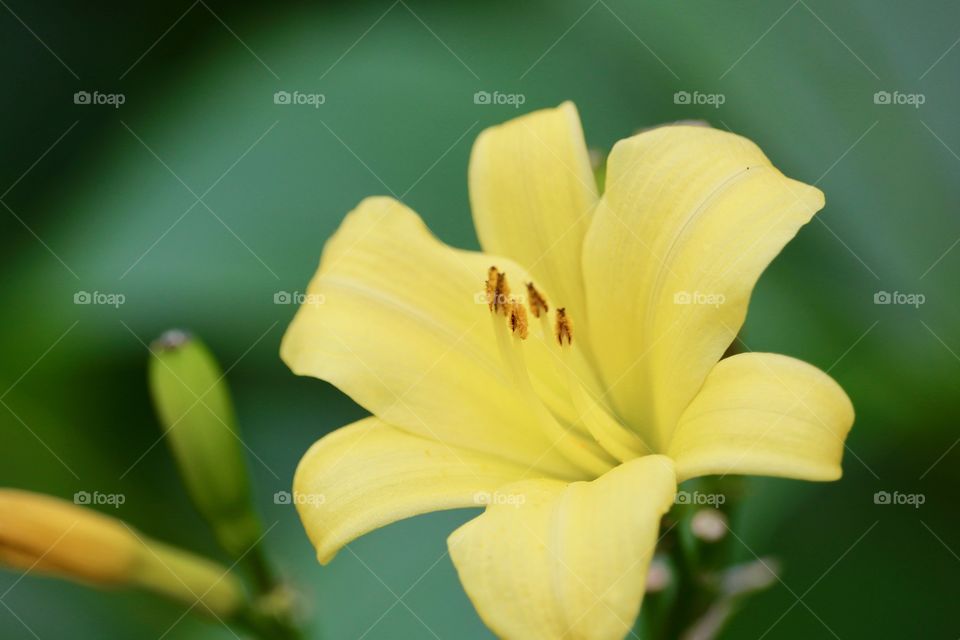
x=597, y=387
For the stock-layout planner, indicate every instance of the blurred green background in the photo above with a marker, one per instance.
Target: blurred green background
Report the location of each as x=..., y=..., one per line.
x=104, y=199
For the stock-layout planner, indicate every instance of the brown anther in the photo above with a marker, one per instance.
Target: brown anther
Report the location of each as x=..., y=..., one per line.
x=564, y=329
x=501, y=294
x=517, y=317
x=491, y=287
x=538, y=304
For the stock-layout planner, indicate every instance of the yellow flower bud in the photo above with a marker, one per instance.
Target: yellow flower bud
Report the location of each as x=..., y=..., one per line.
x=43, y=534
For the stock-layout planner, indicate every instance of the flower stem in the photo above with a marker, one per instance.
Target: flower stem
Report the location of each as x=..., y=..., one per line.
x=270, y=615
x=688, y=599
x=266, y=627
x=260, y=570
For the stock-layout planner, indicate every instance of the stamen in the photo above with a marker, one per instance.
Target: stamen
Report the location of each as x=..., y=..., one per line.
x=610, y=441
x=498, y=291
x=564, y=327
x=491, y=287
x=582, y=453
x=616, y=439
x=538, y=304
x=518, y=320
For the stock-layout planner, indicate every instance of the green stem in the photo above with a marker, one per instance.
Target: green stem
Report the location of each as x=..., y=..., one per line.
x=266, y=627
x=697, y=564
x=685, y=601
x=260, y=570
x=270, y=616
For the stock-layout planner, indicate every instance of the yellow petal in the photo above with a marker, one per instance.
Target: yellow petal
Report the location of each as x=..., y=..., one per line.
x=549, y=560
x=532, y=192
x=369, y=474
x=399, y=321
x=691, y=217
x=764, y=414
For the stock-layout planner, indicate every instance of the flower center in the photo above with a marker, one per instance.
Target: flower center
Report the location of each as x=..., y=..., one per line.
x=595, y=441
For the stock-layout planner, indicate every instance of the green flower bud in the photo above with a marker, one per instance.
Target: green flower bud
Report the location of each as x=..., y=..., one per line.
x=193, y=403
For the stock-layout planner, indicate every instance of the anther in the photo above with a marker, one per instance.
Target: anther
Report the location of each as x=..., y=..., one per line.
x=491, y=287
x=564, y=328
x=518, y=320
x=538, y=304
x=502, y=295
x=498, y=291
